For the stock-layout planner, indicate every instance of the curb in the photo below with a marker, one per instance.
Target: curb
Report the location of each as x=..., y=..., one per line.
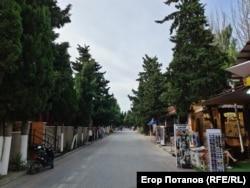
x=11, y=176
x=166, y=148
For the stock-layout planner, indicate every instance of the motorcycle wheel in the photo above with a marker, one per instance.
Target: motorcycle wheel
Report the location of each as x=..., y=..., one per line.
x=35, y=167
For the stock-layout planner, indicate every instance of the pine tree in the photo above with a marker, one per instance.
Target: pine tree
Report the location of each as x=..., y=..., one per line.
x=63, y=99
x=96, y=105
x=196, y=72
x=10, y=36
x=29, y=87
x=36, y=68
x=10, y=48
x=84, y=56
x=84, y=85
x=105, y=105
x=147, y=102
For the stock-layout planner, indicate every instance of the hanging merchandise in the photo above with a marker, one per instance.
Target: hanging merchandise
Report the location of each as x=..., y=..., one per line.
x=182, y=146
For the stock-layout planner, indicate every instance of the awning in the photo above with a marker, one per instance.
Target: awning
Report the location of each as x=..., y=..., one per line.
x=242, y=69
x=152, y=122
x=244, y=54
x=238, y=96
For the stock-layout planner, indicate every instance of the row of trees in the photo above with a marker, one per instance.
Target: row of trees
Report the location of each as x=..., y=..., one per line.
x=38, y=82
x=37, y=78
x=196, y=72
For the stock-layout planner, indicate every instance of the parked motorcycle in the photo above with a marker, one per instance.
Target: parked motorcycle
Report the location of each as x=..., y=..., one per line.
x=44, y=157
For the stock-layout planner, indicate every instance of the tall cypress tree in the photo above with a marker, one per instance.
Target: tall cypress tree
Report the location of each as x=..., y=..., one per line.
x=63, y=93
x=10, y=49
x=147, y=103
x=96, y=105
x=153, y=86
x=134, y=114
x=86, y=94
x=34, y=81
x=84, y=56
x=63, y=99
x=10, y=36
x=36, y=67
x=105, y=105
x=83, y=69
x=196, y=72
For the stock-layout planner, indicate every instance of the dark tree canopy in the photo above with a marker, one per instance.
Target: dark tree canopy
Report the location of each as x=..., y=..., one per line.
x=196, y=71
x=10, y=36
x=97, y=106
x=29, y=79
x=147, y=103
x=63, y=100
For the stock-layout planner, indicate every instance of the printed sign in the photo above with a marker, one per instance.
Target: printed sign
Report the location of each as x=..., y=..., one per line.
x=182, y=147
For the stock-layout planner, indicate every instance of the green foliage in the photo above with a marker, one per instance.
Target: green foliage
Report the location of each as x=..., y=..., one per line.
x=96, y=105
x=142, y=130
x=86, y=93
x=10, y=48
x=36, y=72
x=84, y=56
x=227, y=44
x=30, y=85
x=63, y=99
x=17, y=163
x=10, y=36
x=196, y=71
x=147, y=103
x=27, y=55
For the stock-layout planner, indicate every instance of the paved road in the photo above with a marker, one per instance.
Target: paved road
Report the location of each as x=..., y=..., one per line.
x=111, y=162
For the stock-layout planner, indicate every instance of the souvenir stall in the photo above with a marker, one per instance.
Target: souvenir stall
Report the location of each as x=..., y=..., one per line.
x=227, y=112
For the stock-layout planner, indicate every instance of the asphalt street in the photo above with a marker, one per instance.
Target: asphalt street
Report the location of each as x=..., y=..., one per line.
x=110, y=162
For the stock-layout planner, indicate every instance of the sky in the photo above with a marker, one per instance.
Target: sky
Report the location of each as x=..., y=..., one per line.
x=119, y=34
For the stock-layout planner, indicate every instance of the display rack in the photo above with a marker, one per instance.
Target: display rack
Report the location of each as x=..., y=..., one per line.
x=182, y=146
x=215, y=150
